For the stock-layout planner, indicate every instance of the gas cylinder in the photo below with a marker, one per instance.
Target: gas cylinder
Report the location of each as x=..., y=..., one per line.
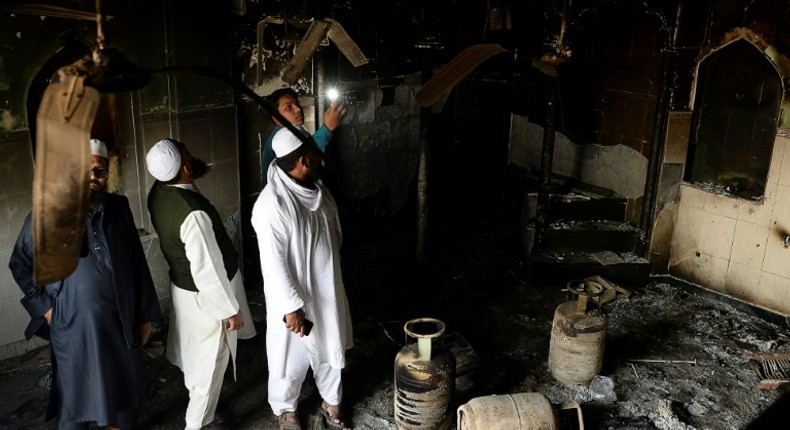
x=577, y=335
x=424, y=379
x=520, y=411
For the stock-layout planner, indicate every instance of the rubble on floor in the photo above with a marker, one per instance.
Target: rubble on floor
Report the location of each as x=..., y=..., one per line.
x=676, y=359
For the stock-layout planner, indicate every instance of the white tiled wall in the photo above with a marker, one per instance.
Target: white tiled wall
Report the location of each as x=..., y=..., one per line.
x=13, y=317
x=759, y=213
x=743, y=282
x=737, y=246
x=748, y=246
x=717, y=235
x=16, y=169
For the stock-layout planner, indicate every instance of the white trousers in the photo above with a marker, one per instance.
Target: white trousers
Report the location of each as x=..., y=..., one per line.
x=284, y=392
x=201, y=347
x=204, y=393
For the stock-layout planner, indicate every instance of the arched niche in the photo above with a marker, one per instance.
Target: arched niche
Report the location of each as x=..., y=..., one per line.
x=736, y=113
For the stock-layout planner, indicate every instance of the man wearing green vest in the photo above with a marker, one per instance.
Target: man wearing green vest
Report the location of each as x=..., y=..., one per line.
x=210, y=310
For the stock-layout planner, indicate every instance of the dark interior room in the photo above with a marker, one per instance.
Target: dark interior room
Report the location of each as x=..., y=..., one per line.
x=566, y=214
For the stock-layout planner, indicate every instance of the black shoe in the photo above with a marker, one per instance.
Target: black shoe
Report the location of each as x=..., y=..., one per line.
x=223, y=419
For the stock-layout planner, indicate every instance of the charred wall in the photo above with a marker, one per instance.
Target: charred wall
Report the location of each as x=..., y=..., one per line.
x=704, y=233
x=197, y=110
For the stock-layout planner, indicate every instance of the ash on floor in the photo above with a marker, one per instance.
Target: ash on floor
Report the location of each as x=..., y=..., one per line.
x=675, y=356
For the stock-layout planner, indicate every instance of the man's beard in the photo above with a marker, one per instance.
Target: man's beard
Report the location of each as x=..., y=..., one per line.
x=97, y=198
x=316, y=171
x=199, y=168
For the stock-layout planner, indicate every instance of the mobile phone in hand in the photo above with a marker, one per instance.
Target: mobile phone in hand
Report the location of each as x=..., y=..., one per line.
x=308, y=325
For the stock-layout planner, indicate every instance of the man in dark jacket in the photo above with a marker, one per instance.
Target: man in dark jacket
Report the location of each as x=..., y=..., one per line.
x=97, y=318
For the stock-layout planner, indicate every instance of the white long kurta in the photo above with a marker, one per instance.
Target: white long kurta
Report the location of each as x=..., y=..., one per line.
x=198, y=340
x=299, y=238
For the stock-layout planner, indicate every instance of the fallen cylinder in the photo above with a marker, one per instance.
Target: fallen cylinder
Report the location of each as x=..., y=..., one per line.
x=521, y=411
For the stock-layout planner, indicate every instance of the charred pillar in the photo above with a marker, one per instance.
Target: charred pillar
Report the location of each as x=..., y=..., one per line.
x=652, y=180
x=421, y=254
x=547, y=65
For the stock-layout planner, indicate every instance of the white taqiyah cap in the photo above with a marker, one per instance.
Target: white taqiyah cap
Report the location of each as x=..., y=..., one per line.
x=163, y=160
x=285, y=142
x=99, y=148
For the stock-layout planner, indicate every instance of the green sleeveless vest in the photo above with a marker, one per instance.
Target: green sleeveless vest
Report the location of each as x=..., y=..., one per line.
x=169, y=207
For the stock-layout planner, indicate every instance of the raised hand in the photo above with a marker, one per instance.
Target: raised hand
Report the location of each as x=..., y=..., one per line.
x=334, y=115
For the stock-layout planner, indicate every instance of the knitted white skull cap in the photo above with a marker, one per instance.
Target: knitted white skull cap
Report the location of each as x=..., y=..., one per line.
x=99, y=148
x=285, y=142
x=163, y=160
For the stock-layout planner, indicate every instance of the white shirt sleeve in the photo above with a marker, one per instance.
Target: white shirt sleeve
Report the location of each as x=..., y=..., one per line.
x=273, y=243
x=215, y=293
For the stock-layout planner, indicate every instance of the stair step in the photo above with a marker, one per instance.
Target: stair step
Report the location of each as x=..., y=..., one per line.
x=558, y=268
x=576, y=207
x=584, y=236
x=591, y=236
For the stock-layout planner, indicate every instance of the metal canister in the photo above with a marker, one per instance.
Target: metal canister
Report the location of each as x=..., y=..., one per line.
x=520, y=411
x=424, y=378
x=577, y=336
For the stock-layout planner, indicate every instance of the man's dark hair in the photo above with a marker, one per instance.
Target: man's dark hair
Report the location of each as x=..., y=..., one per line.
x=288, y=161
x=181, y=148
x=274, y=97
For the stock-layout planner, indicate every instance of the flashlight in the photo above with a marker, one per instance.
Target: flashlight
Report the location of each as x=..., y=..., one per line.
x=332, y=94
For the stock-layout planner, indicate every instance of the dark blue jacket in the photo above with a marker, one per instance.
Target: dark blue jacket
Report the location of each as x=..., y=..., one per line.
x=137, y=300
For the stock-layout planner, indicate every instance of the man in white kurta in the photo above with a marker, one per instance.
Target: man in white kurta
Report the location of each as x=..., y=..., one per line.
x=299, y=236
x=210, y=310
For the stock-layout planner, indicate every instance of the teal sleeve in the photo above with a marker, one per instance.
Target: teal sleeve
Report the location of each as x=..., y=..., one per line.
x=322, y=136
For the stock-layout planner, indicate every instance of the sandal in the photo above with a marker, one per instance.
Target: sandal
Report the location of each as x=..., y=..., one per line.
x=289, y=421
x=334, y=416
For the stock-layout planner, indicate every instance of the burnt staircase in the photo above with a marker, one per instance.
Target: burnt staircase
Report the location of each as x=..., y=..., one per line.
x=585, y=234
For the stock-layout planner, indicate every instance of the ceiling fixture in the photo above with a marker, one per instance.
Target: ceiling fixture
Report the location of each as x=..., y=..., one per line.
x=63, y=125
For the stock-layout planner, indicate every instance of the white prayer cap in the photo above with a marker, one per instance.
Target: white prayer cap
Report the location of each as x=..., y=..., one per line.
x=163, y=160
x=99, y=148
x=285, y=142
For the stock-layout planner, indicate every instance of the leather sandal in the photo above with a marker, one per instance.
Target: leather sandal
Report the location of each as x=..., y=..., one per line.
x=335, y=418
x=289, y=421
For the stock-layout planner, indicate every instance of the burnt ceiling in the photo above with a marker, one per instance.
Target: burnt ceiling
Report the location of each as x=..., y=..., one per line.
x=400, y=36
